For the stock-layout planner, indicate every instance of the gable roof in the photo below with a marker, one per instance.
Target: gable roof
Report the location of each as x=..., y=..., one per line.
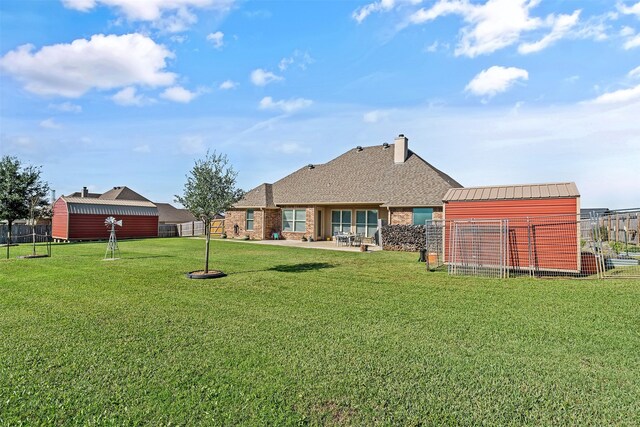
x=514, y=192
x=259, y=197
x=170, y=214
x=366, y=175
x=123, y=193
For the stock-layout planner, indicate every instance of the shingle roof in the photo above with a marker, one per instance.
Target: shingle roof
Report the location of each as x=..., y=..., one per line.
x=513, y=192
x=359, y=176
x=259, y=197
x=122, y=193
x=170, y=214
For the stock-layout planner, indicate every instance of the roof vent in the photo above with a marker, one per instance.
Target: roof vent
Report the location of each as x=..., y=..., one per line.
x=310, y=166
x=385, y=145
x=358, y=148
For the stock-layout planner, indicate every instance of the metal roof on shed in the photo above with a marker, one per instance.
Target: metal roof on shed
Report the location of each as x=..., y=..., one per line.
x=513, y=192
x=90, y=206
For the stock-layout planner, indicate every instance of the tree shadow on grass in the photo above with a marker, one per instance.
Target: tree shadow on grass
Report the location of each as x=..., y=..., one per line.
x=300, y=268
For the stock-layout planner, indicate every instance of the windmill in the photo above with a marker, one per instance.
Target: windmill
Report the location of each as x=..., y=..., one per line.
x=113, y=242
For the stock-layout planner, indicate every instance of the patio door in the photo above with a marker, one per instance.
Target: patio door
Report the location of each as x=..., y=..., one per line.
x=367, y=222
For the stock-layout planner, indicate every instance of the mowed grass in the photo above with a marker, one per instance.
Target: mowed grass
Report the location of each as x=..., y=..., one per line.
x=301, y=336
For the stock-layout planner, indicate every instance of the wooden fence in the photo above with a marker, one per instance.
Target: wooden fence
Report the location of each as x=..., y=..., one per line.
x=22, y=233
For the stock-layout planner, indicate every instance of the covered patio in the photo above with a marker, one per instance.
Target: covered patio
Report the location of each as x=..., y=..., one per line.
x=323, y=244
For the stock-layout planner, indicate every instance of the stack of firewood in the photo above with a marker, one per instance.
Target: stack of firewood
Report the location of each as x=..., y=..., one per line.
x=396, y=237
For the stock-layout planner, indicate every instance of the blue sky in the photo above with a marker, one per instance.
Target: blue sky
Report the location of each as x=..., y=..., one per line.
x=130, y=92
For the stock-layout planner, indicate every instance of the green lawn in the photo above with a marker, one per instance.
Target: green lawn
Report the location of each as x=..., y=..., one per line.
x=299, y=336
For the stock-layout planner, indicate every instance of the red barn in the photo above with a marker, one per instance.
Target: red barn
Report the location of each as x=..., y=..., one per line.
x=536, y=225
x=81, y=216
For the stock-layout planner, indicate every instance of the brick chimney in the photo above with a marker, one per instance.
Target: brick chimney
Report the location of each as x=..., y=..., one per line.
x=84, y=192
x=400, y=149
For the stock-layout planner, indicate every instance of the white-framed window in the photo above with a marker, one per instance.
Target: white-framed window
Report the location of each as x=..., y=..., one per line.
x=367, y=222
x=340, y=221
x=294, y=220
x=249, y=225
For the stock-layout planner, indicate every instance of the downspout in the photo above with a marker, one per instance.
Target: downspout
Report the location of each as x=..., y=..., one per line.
x=388, y=215
x=264, y=220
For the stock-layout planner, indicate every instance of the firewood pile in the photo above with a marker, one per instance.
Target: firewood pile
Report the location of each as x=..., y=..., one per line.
x=397, y=237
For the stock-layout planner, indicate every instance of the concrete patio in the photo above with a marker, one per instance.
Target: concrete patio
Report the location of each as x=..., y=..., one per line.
x=326, y=245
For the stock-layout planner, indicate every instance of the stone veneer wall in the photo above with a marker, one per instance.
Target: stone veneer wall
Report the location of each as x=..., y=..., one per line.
x=401, y=216
x=405, y=215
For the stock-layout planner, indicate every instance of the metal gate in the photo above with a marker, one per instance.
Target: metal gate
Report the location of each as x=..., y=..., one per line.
x=479, y=248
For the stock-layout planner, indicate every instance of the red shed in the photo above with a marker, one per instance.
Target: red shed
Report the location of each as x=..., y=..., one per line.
x=82, y=218
x=537, y=224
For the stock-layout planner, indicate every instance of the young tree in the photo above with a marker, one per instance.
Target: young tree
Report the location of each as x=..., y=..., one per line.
x=19, y=186
x=38, y=209
x=210, y=189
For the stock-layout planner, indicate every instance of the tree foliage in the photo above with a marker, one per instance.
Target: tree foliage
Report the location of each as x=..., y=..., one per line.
x=210, y=190
x=22, y=191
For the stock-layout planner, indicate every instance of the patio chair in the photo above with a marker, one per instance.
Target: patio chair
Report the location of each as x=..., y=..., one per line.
x=341, y=238
x=356, y=240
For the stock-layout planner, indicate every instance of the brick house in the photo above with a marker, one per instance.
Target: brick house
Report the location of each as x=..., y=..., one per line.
x=349, y=193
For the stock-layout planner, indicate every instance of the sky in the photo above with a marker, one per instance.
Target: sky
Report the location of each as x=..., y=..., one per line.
x=103, y=93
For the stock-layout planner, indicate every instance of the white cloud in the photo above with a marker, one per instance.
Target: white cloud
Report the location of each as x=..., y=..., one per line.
x=561, y=27
x=50, y=124
x=495, y=80
x=490, y=26
x=632, y=42
x=228, y=84
x=301, y=59
x=260, y=77
x=635, y=73
x=375, y=116
x=66, y=107
x=169, y=15
x=622, y=96
x=142, y=149
x=627, y=31
x=103, y=62
x=179, y=94
x=178, y=38
x=286, y=106
x=630, y=10
x=129, y=97
x=192, y=144
x=284, y=63
x=292, y=148
x=361, y=13
x=217, y=39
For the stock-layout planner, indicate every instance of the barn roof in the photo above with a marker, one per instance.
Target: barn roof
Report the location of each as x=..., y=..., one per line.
x=363, y=175
x=513, y=192
x=84, y=205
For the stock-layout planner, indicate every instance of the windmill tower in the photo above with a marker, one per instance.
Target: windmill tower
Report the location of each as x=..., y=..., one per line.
x=112, y=246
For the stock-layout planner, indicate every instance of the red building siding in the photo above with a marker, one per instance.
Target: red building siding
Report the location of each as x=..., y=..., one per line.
x=60, y=220
x=91, y=227
x=548, y=226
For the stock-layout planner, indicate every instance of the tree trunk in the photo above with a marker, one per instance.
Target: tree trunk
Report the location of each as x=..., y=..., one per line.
x=33, y=237
x=207, y=234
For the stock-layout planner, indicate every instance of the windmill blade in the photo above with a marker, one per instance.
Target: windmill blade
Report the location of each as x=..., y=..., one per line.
x=119, y=222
